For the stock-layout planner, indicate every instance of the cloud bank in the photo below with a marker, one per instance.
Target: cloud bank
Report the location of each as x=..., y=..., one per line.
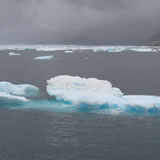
x=78, y=21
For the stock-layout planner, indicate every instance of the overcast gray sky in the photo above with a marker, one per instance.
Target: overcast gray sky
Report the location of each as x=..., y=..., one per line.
x=78, y=21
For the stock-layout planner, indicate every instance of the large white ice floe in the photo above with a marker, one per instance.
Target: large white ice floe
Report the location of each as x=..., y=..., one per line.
x=43, y=58
x=13, y=54
x=98, y=93
x=11, y=93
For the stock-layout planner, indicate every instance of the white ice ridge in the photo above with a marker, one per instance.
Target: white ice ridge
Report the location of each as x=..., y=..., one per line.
x=92, y=91
x=11, y=93
x=13, y=54
x=43, y=57
x=73, y=48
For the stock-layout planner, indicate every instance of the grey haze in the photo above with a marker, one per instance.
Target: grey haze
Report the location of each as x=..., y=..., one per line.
x=78, y=21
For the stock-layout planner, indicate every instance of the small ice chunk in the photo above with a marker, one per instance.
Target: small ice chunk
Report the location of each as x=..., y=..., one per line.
x=14, y=54
x=43, y=58
x=68, y=51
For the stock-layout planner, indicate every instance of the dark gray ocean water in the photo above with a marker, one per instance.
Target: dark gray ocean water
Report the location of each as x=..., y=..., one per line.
x=33, y=135
x=41, y=135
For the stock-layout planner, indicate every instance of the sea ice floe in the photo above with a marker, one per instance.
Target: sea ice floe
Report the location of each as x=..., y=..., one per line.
x=11, y=93
x=68, y=51
x=99, y=95
x=79, y=90
x=23, y=90
x=110, y=49
x=43, y=58
x=13, y=54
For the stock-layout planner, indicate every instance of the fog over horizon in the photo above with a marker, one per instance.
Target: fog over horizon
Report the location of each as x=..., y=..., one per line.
x=78, y=21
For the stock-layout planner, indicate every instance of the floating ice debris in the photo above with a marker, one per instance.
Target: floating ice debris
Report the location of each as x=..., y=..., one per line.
x=14, y=54
x=43, y=58
x=143, y=49
x=112, y=49
x=23, y=90
x=68, y=51
x=16, y=94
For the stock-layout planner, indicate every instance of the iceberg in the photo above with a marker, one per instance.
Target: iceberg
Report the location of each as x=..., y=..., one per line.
x=81, y=90
x=99, y=95
x=16, y=94
x=13, y=54
x=23, y=90
x=43, y=58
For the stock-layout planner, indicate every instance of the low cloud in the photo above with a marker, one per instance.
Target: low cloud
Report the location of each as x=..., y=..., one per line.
x=78, y=21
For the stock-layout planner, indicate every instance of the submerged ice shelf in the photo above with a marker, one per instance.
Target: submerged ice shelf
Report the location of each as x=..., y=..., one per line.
x=75, y=94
